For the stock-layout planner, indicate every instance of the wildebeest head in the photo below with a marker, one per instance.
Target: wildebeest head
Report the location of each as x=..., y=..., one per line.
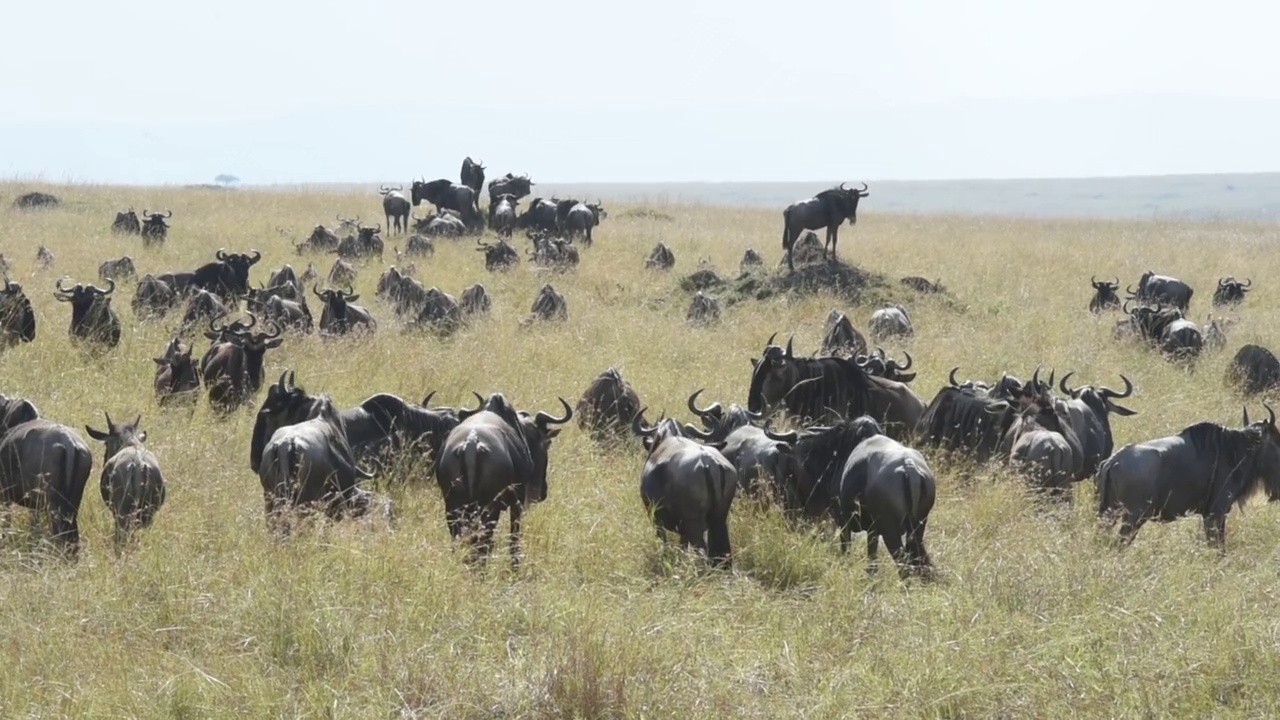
x=336, y=300
x=17, y=319
x=239, y=264
x=844, y=201
x=820, y=452
x=773, y=374
x=1099, y=398
x=1231, y=291
x=385, y=190
x=1267, y=452
x=429, y=191
x=517, y=185
x=118, y=435
x=472, y=174
x=347, y=224
x=82, y=297
x=663, y=429
x=1105, y=294
x=233, y=332
x=498, y=256
x=881, y=365
x=719, y=421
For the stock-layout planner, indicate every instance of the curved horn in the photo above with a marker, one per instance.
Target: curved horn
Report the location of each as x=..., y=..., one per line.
x=253, y=320
x=256, y=256
x=1129, y=289
x=1271, y=415
x=479, y=401
x=1246, y=414
x=269, y=335
x=789, y=339
x=543, y=419
x=426, y=401
x=910, y=362
x=769, y=342
x=109, y=290
x=145, y=211
x=789, y=437
x=57, y=284
x=280, y=384
x=695, y=433
x=378, y=229
x=952, y=376
x=213, y=328
x=713, y=408
x=1035, y=380
x=167, y=214
x=637, y=424
x=1128, y=389
x=1062, y=384
x=1248, y=282
x=864, y=188
x=221, y=254
x=317, y=292
x=1093, y=280
x=1116, y=281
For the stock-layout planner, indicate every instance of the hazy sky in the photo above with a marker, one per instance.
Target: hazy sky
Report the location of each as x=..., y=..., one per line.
x=157, y=91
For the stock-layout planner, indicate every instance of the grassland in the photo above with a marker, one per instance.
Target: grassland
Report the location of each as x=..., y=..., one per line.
x=1034, y=615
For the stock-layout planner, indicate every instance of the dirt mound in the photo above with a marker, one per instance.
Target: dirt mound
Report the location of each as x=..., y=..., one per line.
x=850, y=283
x=704, y=279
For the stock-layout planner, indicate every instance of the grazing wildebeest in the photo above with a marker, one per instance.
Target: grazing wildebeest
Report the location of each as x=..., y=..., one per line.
x=233, y=366
x=574, y=218
x=475, y=300
x=498, y=256
x=1161, y=289
x=132, y=485
x=1231, y=291
x=366, y=243
x=31, y=200
x=446, y=223
x=841, y=338
x=472, y=175
x=495, y=460
x=176, y=382
x=1253, y=370
x=202, y=305
x=549, y=305
x=44, y=466
x=923, y=285
x=867, y=482
x=440, y=311
x=516, y=186
x=126, y=222
x=395, y=208
x=44, y=258
x=322, y=239
x=890, y=321
x=661, y=258
x=1104, y=295
x=340, y=314
x=120, y=268
x=557, y=254
x=762, y=464
x=750, y=260
x=1090, y=408
x=1203, y=470
x=703, y=309
x=418, y=245
x=152, y=298
x=539, y=217
x=687, y=487
x=92, y=319
x=154, y=228
x=17, y=318
x=974, y=417
x=827, y=210
x=607, y=406
x=827, y=387
x=503, y=214
x=446, y=195
x=342, y=273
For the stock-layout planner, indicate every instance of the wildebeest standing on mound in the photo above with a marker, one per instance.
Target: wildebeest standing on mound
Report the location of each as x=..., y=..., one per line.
x=92, y=319
x=17, y=318
x=44, y=466
x=1231, y=291
x=1104, y=295
x=827, y=210
x=607, y=406
x=1253, y=370
x=395, y=208
x=472, y=175
x=126, y=223
x=661, y=258
x=1204, y=470
x=132, y=485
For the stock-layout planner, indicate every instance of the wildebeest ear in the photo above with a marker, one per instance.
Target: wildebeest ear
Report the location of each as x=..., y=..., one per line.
x=1121, y=410
x=97, y=434
x=273, y=343
x=755, y=362
x=552, y=432
x=160, y=361
x=211, y=335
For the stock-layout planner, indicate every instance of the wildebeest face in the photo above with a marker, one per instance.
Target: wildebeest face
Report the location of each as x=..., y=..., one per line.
x=1099, y=398
x=773, y=376
x=117, y=436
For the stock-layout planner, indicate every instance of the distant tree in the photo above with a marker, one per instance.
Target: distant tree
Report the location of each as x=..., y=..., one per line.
x=226, y=179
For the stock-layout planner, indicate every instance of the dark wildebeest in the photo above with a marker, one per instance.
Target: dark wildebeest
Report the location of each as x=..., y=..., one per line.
x=395, y=208
x=495, y=460
x=867, y=482
x=445, y=195
x=1231, y=291
x=503, y=214
x=31, y=200
x=17, y=318
x=923, y=285
x=891, y=321
x=126, y=222
x=287, y=314
x=418, y=245
x=446, y=223
x=661, y=258
x=1162, y=290
x=342, y=273
x=202, y=305
x=322, y=239
x=1090, y=408
x=152, y=298
x=703, y=309
x=44, y=466
x=408, y=297
x=841, y=338
x=285, y=275
x=973, y=417
x=132, y=484
x=1182, y=340
x=233, y=366
x=816, y=388
x=92, y=319
x=227, y=276
x=687, y=487
x=498, y=256
x=176, y=382
x=472, y=176
x=118, y=269
x=827, y=210
x=878, y=364
x=516, y=186
x=440, y=311
x=44, y=258
x=750, y=261
x=154, y=228
x=1203, y=470
x=340, y=314
x=558, y=254
x=760, y=462
x=365, y=244
x=1253, y=370
x=1104, y=295
x=607, y=406
x=1042, y=443
x=475, y=300
x=539, y=217
x=574, y=218
x=549, y=305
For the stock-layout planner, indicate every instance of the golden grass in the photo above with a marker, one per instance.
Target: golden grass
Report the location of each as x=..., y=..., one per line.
x=1034, y=616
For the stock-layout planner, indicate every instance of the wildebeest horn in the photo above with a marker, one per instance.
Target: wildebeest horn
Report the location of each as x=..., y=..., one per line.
x=221, y=254
x=57, y=284
x=378, y=229
x=269, y=335
x=769, y=342
x=168, y=214
x=543, y=419
x=1248, y=282
x=1093, y=280
x=863, y=191
x=713, y=408
x=1062, y=384
x=842, y=187
x=256, y=256
x=1222, y=282
x=1125, y=306
x=281, y=385
x=952, y=376
x=637, y=424
x=789, y=339
x=1051, y=371
x=426, y=401
x=1128, y=389
x=108, y=291
x=1271, y=415
x=479, y=401
x=787, y=437
x=909, y=361
x=146, y=211
x=213, y=327
x=1035, y=379
x=253, y=320
x=317, y=292
x=1246, y=414
x=1116, y=281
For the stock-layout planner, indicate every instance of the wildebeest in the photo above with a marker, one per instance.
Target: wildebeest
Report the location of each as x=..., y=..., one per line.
x=395, y=208
x=1161, y=290
x=475, y=300
x=1215, y=332
x=1104, y=295
x=503, y=213
x=44, y=258
x=703, y=309
x=1231, y=291
x=92, y=319
x=1042, y=442
x=661, y=258
x=132, y=485
x=607, y=406
x=446, y=195
x=760, y=462
x=549, y=305
x=342, y=273
x=817, y=388
x=575, y=218
x=176, y=381
x=227, y=276
x=418, y=245
x=498, y=256
x=366, y=243
x=517, y=186
x=539, y=217
x=1203, y=470
x=120, y=268
x=891, y=321
x=1090, y=408
x=750, y=260
x=440, y=311
x=286, y=314
x=28, y=201
x=556, y=254
x=827, y=210
x=17, y=318
x=494, y=460
x=322, y=239
x=446, y=223
x=472, y=175
x=687, y=487
x=154, y=228
x=202, y=305
x=867, y=482
x=232, y=367
x=878, y=364
x=340, y=314
x=126, y=222
x=1253, y=370
x=1182, y=340
x=389, y=282
x=152, y=298
x=841, y=338
x=285, y=275
x=923, y=285
x=44, y=466
x=974, y=417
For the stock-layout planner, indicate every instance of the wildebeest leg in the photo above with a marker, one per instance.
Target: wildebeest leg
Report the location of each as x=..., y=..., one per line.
x=846, y=537
x=718, y=542
x=694, y=533
x=1129, y=525
x=831, y=242
x=915, y=548
x=455, y=516
x=513, y=539
x=873, y=549
x=484, y=536
x=893, y=541
x=1215, y=530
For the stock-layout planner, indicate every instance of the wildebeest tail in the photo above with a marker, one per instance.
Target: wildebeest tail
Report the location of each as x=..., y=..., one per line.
x=472, y=451
x=912, y=487
x=1102, y=485
x=786, y=229
x=714, y=490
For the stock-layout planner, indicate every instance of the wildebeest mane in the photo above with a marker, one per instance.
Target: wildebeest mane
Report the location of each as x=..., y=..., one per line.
x=1233, y=452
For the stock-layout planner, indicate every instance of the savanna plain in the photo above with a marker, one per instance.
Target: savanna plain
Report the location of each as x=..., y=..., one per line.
x=1034, y=613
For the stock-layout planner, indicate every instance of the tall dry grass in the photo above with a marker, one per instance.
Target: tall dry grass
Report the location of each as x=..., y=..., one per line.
x=1034, y=616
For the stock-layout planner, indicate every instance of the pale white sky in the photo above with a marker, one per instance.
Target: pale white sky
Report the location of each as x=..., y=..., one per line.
x=157, y=91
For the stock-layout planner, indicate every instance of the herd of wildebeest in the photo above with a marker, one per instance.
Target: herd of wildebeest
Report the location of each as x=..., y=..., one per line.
x=857, y=425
